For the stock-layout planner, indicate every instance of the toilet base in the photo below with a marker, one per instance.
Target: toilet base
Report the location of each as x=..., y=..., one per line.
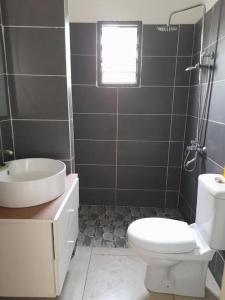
x=182, y=278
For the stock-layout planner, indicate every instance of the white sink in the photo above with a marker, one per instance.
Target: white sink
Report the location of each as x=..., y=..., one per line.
x=32, y=181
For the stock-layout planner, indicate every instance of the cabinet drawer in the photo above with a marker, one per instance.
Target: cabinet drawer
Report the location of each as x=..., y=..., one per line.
x=65, y=230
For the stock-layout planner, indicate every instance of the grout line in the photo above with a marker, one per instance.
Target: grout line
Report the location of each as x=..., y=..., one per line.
x=123, y=189
x=40, y=120
x=34, y=27
x=135, y=141
x=213, y=161
x=37, y=75
x=83, y=54
x=6, y=120
x=68, y=81
x=165, y=56
x=186, y=119
x=122, y=165
x=209, y=120
x=171, y=117
x=128, y=87
x=1, y=145
x=129, y=114
x=117, y=133
x=89, y=262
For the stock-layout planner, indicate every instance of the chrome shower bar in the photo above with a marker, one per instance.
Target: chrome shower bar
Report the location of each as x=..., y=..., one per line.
x=185, y=9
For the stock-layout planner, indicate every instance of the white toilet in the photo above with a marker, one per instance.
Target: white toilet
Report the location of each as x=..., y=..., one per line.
x=177, y=254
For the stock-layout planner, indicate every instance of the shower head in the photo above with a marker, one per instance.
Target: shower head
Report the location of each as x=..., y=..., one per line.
x=167, y=28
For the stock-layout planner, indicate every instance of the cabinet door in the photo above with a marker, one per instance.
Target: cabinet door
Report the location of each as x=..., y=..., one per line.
x=26, y=259
x=65, y=229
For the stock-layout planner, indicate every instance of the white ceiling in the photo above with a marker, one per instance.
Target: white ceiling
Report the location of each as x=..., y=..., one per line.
x=148, y=11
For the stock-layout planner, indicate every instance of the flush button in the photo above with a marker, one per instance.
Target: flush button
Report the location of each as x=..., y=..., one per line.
x=220, y=180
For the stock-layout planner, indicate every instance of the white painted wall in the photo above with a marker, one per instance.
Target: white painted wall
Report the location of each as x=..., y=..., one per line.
x=210, y=3
x=148, y=11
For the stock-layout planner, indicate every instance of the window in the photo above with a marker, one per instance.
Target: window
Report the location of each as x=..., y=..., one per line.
x=119, y=53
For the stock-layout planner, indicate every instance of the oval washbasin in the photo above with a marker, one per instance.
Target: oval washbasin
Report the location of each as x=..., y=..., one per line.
x=32, y=181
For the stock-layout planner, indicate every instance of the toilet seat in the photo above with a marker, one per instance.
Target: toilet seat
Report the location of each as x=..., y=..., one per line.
x=162, y=235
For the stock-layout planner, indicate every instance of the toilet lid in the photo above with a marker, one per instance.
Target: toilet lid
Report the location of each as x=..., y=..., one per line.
x=162, y=235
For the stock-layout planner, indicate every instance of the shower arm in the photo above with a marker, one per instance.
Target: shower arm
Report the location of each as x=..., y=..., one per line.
x=203, y=22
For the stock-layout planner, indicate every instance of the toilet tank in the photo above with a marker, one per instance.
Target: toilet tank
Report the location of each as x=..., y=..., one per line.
x=210, y=214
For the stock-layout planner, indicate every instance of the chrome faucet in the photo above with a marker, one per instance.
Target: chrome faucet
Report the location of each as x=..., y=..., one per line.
x=3, y=153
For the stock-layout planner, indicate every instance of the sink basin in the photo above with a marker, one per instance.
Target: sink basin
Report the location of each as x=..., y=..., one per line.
x=32, y=181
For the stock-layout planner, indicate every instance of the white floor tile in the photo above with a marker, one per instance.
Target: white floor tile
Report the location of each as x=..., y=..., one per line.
x=119, y=277
x=76, y=277
x=113, y=251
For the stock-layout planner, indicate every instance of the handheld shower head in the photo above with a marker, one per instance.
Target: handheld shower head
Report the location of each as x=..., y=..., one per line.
x=189, y=69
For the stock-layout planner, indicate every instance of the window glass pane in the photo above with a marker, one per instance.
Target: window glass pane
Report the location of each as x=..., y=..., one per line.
x=119, y=53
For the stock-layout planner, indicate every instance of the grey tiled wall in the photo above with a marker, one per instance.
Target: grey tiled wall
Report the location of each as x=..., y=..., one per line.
x=129, y=141
x=214, y=39
x=39, y=78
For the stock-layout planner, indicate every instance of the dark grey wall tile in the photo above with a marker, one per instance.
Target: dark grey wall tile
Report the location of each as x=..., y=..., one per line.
x=141, y=198
x=220, y=61
x=172, y=199
x=83, y=38
x=146, y=100
x=215, y=142
x=180, y=100
x=33, y=13
x=195, y=73
x=158, y=71
x=186, y=40
x=208, y=21
x=68, y=164
x=190, y=129
x=96, y=176
x=41, y=139
x=4, y=103
x=38, y=97
x=217, y=107
x=95, y=152
x=222, y=20
x=178, y=127
x=186, y=210
x=92, y=126
x=173, y=181
x=159, y=43
x=97, y=196
x=183, y=77
x=83, y=69
x=2, y=55
x=216, y=21
x=197, y=37
x=141, y=177
x=187, y=186
x=7, y=138
x=193, y=101
x=176, y=153
x=35, y=50
x=219, y=267
x=91, y=99
x=142, y=153
x=140, y=127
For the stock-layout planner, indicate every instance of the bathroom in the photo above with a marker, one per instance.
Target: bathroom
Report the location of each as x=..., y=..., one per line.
x=132, y=147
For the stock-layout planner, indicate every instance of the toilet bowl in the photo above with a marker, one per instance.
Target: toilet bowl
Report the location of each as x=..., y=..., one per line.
x=176, y=255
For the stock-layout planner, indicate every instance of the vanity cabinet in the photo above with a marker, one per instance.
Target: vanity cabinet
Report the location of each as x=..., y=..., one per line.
x=36, y=245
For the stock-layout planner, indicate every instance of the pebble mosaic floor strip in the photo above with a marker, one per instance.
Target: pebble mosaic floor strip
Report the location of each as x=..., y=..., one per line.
x=106, y=226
